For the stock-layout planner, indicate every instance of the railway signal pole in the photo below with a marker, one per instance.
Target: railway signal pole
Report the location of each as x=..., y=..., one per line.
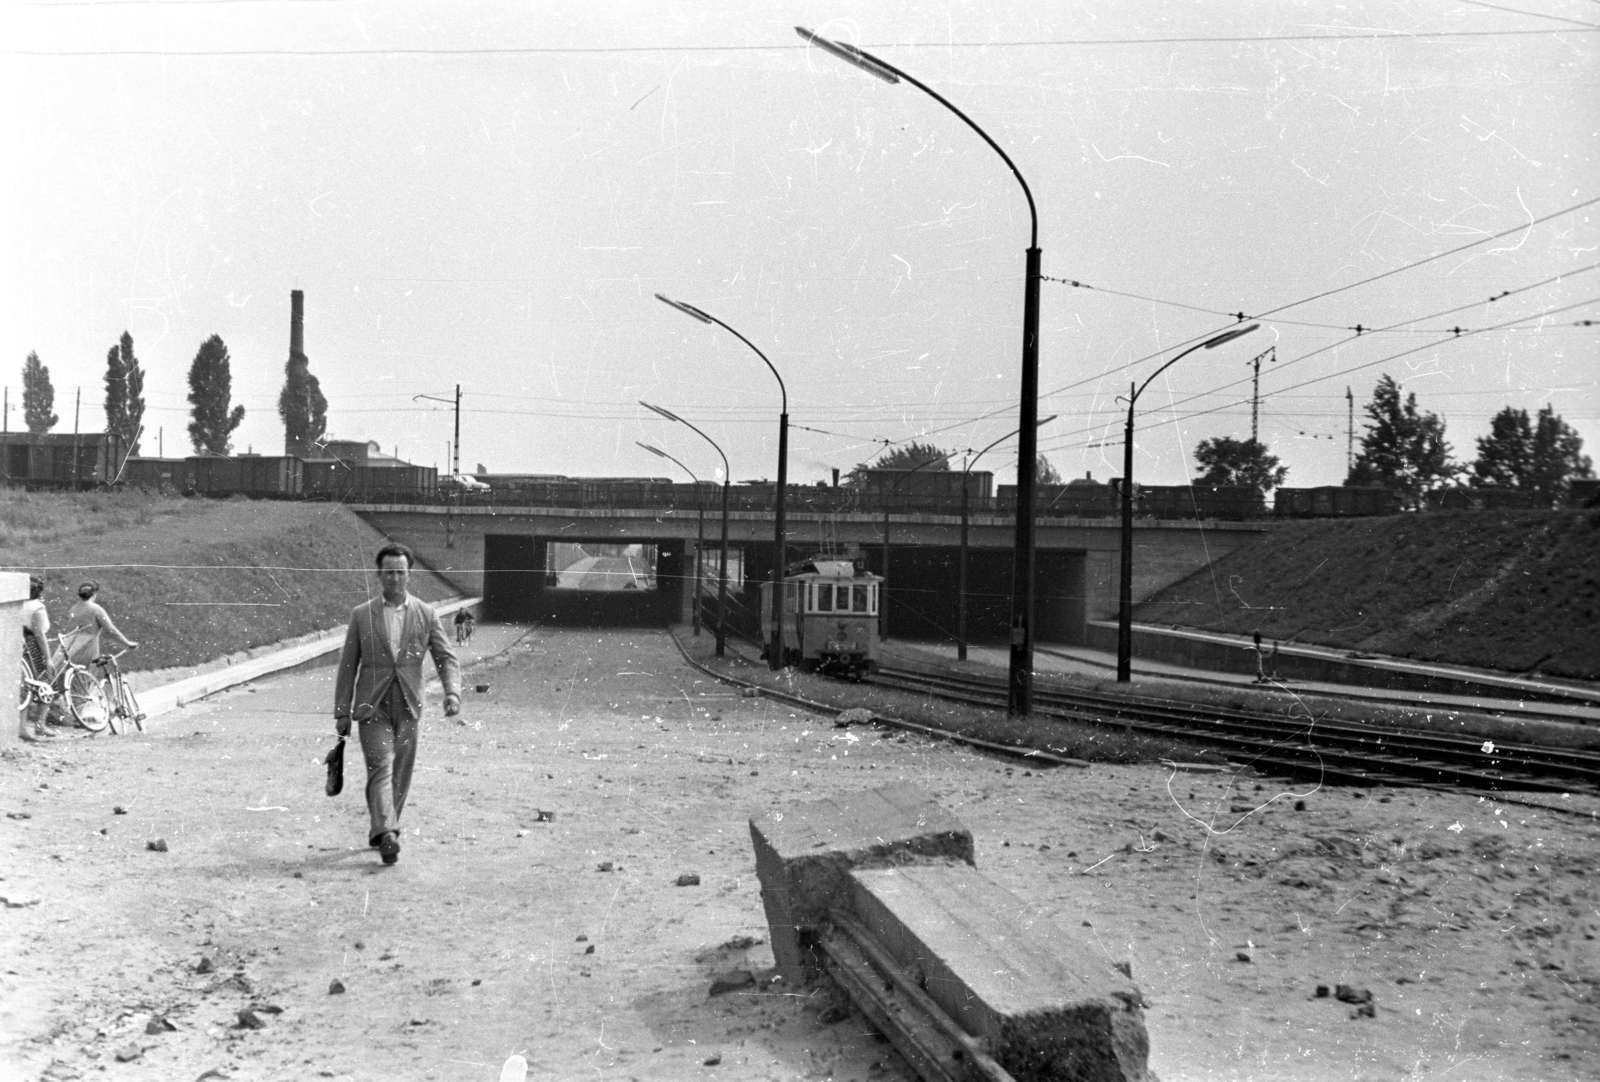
x=1349, y=432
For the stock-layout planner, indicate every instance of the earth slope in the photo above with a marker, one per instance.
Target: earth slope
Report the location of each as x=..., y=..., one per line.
x=1511, y=590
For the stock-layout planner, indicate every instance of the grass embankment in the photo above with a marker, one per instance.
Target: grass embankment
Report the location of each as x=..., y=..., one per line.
x=1517, y=591
x=196, y=579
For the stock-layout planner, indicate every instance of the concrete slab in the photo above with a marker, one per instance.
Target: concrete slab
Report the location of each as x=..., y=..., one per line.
x=805, y=853
x=1044, y=1003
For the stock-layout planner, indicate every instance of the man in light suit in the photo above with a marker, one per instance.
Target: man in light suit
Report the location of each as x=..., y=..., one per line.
x=380, y=686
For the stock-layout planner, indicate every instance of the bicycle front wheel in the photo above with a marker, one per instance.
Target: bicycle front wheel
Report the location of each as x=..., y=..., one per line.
x=87, y=701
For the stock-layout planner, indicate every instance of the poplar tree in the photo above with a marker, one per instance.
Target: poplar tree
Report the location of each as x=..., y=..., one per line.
x=38, y=396
x=124, y=392
x=210, y=391
x=1538, y=456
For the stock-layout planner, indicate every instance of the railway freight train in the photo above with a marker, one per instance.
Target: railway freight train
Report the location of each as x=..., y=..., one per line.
x=828, y=617
x=355, y=472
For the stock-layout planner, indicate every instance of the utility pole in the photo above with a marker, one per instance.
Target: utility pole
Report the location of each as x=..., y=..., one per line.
x=76, y=405
x=1349, y=433
x=1255, y=389
x=6, y=430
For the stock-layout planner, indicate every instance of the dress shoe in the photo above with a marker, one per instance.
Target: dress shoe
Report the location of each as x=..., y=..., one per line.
x=389, y=847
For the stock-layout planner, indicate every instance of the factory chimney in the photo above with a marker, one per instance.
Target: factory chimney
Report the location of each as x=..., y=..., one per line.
x=297, y=322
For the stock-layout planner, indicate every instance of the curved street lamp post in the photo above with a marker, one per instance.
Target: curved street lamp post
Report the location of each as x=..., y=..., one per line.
x=1019, y=699
x=775, y=648
x=700, y=532
x=722, y=575
x=1125, y=593
x=966, y=489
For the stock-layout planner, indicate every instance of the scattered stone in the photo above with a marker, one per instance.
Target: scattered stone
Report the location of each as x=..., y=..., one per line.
x=749, y=693
x=1344, y=993
x=480, y=688
x=299, y=875
x=836, y=1013
x=476, y=981
x=854, y=716
x=1322, y=991
x=589, y=949
x=1160, y=836
x=119, y=810
x=336, y=987
x=1299, y=805
x=1127, y=968
x=249, y=1019
x=158, y=1025
x=157, y=846
x=18, y=815
x=583, y=939
x=270, y=1008
x=545, y=816
x=215, y=1072
x=18, y=901
x=205, y=965
x=733, y=981
x=742, y=942
x=605, y=866
x=688, y=879
x=1241, y=956
x=128, y=1053
x=1366, y=1010
x=713, y=1059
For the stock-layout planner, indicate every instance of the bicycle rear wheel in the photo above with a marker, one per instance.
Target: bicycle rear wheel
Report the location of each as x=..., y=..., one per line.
x=87, y=701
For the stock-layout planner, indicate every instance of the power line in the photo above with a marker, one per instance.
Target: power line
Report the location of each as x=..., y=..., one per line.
x=602, y=50
x=1240, y=317
x=1330, y=375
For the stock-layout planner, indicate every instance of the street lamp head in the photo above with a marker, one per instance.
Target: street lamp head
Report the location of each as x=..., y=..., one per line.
x=1228, y=336
x=850, y=55
x=658, y=452
x=686, y=309
x=668, y=414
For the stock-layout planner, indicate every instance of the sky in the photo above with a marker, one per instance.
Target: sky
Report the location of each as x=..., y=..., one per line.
x=491, y=194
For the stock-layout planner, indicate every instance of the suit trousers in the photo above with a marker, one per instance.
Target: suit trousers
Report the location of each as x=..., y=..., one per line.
x=389, y=745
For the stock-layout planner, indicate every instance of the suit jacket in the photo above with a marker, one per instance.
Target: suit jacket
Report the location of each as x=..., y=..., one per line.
x=367, y=667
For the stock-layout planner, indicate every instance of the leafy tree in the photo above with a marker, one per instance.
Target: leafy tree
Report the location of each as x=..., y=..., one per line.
x=1227, y=461
x=38, y=396
x=210, y=389
x=1045, y=474
x=1403, y=449
x=923, y=456
x=1539, y=456
x=302, y=406
x=124, y=391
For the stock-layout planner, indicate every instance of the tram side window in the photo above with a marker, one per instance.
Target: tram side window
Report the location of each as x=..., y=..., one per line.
x=862, y=604
x=824, y=597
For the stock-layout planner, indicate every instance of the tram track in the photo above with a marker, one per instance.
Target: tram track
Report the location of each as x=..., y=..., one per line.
x=1338, y=752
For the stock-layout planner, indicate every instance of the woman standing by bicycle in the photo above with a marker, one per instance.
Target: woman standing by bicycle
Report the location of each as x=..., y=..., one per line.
x=35, y=626
x=88, y=619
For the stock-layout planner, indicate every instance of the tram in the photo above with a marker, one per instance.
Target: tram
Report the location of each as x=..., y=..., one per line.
x=829, y=617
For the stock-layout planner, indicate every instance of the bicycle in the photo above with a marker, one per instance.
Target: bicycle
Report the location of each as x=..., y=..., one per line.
x=85, y=696
x=124, y=708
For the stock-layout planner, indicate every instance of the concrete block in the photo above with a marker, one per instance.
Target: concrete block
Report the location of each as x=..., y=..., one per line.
x=1045, y=1004
x=805, y=853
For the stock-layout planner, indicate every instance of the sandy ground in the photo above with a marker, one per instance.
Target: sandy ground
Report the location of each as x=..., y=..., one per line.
x=1471, y=921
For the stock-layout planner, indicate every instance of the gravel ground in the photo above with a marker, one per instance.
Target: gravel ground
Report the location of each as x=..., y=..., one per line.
x=535, y=908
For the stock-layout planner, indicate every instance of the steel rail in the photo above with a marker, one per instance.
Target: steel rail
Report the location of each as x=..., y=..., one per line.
x=1330, y=750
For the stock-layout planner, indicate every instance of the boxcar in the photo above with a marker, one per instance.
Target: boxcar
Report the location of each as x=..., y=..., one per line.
x=829, y=617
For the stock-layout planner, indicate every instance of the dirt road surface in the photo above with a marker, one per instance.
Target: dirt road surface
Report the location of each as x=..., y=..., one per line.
x=535, y=908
